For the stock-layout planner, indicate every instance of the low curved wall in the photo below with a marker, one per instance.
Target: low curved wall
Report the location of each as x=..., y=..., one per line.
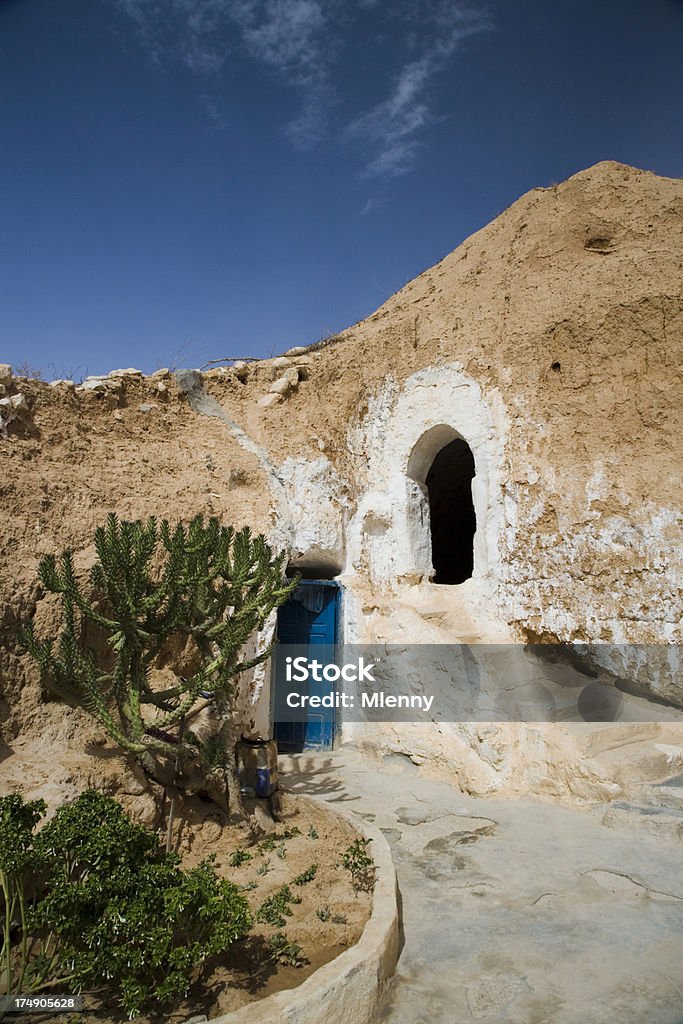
x=348, y=989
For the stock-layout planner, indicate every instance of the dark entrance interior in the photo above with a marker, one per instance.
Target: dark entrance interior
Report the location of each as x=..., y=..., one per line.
x=451, y=510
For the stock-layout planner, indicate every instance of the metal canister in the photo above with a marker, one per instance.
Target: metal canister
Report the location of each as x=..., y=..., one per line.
x=257, y=766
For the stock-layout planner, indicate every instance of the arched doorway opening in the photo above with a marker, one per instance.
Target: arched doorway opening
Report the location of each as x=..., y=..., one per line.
x=442, y=464
x=451, y=512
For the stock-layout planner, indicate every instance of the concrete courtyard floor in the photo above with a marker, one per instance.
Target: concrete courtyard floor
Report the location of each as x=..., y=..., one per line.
x=514, y=911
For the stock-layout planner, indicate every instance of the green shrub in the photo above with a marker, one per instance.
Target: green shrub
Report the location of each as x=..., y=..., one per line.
x=115, y=910
x=19, y=869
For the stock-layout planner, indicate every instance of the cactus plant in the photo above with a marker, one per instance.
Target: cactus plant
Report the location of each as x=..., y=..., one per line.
x=154, y=590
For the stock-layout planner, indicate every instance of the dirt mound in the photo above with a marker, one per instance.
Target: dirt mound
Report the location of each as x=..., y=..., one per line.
x=564, y=315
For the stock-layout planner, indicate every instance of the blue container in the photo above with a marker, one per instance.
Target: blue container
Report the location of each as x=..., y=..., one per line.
x=264, y=786
x=257, y=767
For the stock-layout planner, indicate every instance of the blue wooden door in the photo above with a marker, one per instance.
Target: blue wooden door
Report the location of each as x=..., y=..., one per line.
x=307, y=621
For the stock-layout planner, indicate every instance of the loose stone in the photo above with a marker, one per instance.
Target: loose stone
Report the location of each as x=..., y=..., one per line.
x=272, y=399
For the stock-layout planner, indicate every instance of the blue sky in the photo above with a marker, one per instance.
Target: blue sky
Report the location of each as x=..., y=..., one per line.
x=183, y=180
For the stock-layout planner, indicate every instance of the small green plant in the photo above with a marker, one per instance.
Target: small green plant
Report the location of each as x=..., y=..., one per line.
x=239, y=857
x=248, y=887
x=286, y=952
x=281, y=851
x=312, y=832
x=360, y=864
x=264, y=868
x=306, y=876
x=268, y=844
x=324, y=913
x=274, y=910
x=339, y=919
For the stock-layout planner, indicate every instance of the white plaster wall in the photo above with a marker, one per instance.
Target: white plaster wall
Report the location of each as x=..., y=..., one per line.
x=389, y=597
x=383, y=542
x=318, y=502
x=389, y=544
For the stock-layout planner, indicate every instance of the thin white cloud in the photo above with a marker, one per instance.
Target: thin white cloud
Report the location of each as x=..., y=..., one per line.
x=286, y=35
x=300, y=42
x=373, y=203
x=283, y=34
x=393, y=127
x=292, y=39
x=310, y=125
x=393, y=130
